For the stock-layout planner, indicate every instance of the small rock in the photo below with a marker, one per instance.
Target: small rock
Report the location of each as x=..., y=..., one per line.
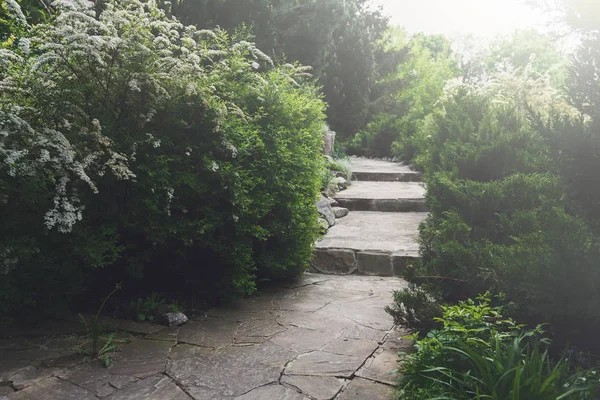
x=340, y=212
x=324, y=208
x=333, y=202
x=324, y=224
x=173, y=318
x=341, y=183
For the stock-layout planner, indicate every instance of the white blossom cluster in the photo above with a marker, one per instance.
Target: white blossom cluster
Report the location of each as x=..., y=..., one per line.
x=132, y=50
x=517, y=87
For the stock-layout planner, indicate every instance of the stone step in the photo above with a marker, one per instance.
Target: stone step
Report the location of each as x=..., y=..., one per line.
x=383, y=196
x=364, y=169
x=369, y=243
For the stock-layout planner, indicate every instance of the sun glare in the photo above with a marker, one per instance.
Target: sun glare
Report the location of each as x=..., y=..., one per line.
x=460, y=17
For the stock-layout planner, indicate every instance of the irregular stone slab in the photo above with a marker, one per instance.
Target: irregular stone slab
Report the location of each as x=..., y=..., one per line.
x=260, y=328
x=5, y=391
x=157, y=387
x=351, y=347
x=208, y=332
x=302, y=340
x=393, y=233
x=317, y=387
x=92, y=376
x=362, y=389
x=334, y=261
x=227, y=371
x=52, y=389
x=141, y=358
x=354, y=331
x=371, y=317
x=374, y=263
x=319, y=363
x=307, y=279
x=278, y=392
x=13, y=361
x=29, y=376
x=324, y=322
x=167, y=334
x=305, y=300
x=121, y=381
x=381, y=368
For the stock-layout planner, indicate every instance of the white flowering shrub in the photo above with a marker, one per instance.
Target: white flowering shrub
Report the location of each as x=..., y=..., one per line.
x=131, y=142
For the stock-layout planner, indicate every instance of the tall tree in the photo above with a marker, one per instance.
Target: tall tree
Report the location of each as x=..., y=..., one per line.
x=338, y=38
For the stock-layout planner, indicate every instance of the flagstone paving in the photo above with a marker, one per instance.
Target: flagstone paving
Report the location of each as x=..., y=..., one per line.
x=323, y=337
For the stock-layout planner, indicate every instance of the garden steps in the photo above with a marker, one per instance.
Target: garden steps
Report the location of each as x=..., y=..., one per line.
x=383, y=196
x=365, y=169
x=380, y=235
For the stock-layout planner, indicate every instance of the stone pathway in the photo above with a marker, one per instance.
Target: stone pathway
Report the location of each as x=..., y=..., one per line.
x=379, y=237
x=323, y=337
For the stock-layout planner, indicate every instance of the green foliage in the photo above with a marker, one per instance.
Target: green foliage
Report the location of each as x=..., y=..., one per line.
x=341, y=165
x=480, y=354
x=407, y=94
x=529, y=49
x=415, y=309
x=145, y=309
x=337, y=38
x=501, y=216
x=136, y=147
x=95, y=329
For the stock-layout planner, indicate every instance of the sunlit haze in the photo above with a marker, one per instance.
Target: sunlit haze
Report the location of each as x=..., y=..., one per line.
x=459, y=17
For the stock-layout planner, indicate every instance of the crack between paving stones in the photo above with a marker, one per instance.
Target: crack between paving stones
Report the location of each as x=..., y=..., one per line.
x=259, y=386
x=199, y=345
x=180, y=386
x=377, y=381
x=366, y=326
x=296, y=388
x=310, y=284
x=291, y=361
x=74, y=384
x=322, y=307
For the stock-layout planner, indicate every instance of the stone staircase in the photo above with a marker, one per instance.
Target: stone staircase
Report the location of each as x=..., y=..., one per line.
x=379, y=237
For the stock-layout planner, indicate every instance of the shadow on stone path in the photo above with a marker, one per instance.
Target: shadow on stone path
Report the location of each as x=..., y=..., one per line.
x=325, y=337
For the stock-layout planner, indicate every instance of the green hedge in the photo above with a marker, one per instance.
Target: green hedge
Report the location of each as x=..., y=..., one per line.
x=502, y=217
x=136, y=148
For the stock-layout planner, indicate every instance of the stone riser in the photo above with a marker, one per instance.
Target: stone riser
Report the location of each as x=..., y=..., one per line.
x=384, y=205
x=387, y=176
x=348, y=262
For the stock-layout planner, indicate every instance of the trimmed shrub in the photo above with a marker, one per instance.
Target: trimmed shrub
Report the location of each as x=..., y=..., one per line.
x=500, y=216
x=133, y=146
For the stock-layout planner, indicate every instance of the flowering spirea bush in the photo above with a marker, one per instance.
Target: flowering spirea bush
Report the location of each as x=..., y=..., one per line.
x=128, y=139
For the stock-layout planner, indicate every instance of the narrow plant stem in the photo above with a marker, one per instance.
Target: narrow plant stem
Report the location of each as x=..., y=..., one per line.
x=117, y=287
